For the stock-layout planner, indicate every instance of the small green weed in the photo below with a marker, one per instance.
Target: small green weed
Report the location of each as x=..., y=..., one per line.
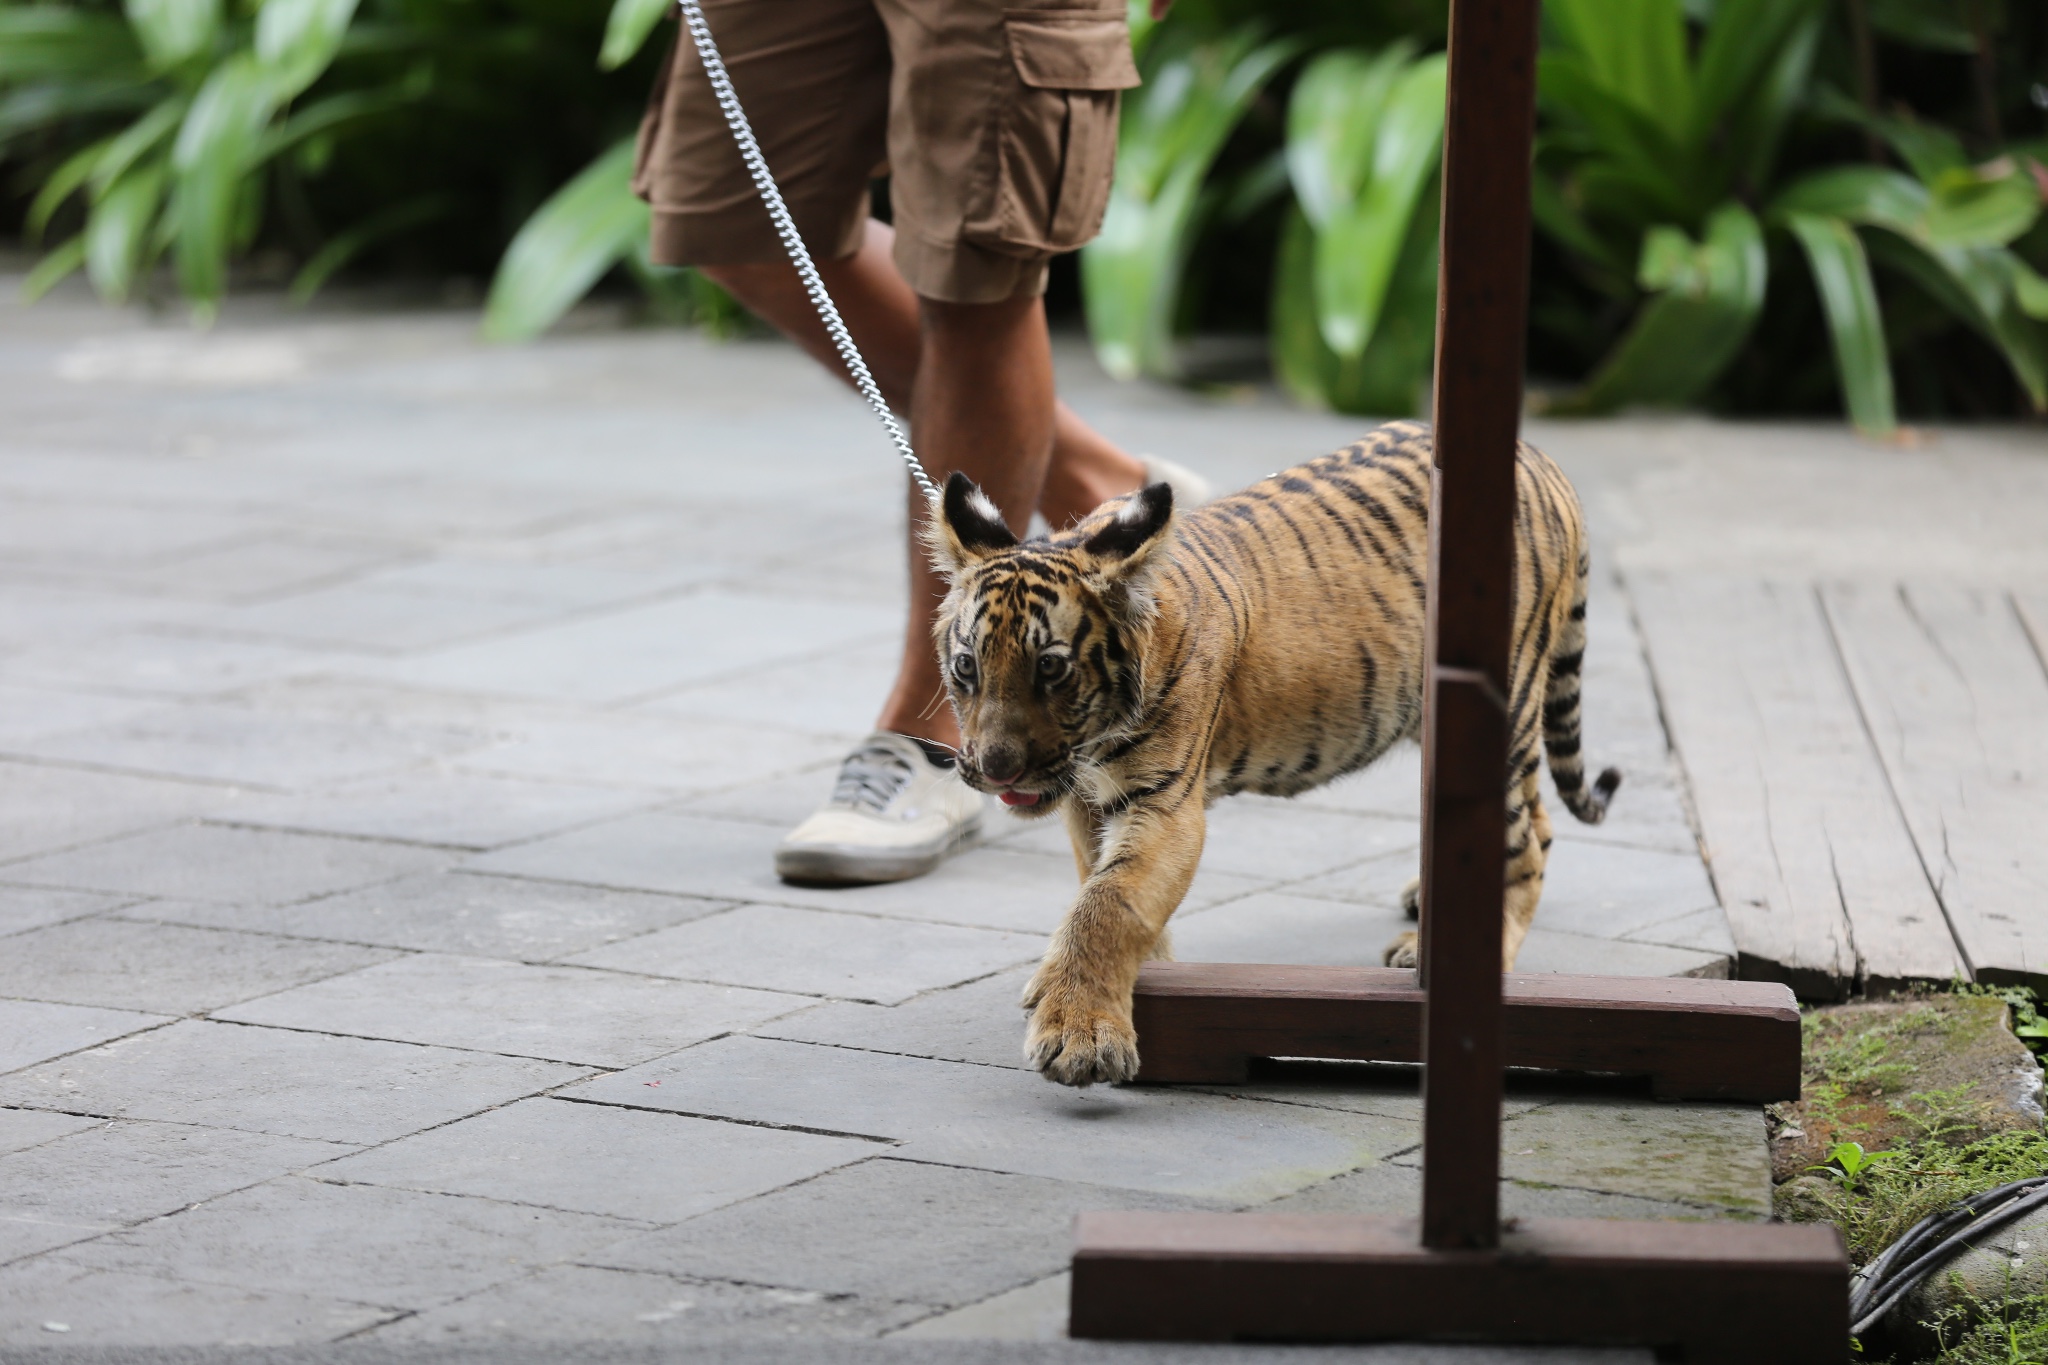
x=1876, y=1204
x=2012, y=1332
x=1847, y=1161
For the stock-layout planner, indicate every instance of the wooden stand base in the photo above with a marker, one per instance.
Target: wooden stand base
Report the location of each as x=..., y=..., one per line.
x=1694, y=1039
x=1712, y=1293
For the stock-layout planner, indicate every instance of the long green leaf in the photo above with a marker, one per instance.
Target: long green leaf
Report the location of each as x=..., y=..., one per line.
x=69, y=177
x=52, y=268
x=626, y=30
x=1752, y=128
x=2029, y=290
x=1928, y=149
x=212, y=156
x=297, y=39
x=119, y=229
x=1174, y=126
x=583, y=230
x=1970, y=208
x=45, y=42
x=1129, y=279
x=1634, y=50
x=1861, y=194
x=1841, y=274
x=1739, y=53
x=1655, y=163
x=1979, y=284
x=1986, y=288
x=1357, y=249
x=136, y=141
x=1392, y=376
x=1333, y=121
x=1194, y=95
x=172, y=31
x=33, y=108
x=319, y=116
x=1708, y=297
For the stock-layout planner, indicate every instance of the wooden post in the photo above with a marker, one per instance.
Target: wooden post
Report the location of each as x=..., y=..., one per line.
x=1482, y=311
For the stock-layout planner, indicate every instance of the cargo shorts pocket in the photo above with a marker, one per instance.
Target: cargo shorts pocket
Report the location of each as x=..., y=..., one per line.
x=1056, y=140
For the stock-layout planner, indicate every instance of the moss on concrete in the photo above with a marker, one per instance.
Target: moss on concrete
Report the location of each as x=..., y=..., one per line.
x=1942, y=1068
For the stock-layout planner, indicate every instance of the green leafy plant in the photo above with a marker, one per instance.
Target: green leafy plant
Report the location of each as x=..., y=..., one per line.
x=302, y=135
x=1947, y=227
x=1655, y=165
x=1891, y=1195
x=595, y=223
x=1354, y=306
x=220, y=99
x=1643, y=151
x=1197, y=88
x=1847, y=1162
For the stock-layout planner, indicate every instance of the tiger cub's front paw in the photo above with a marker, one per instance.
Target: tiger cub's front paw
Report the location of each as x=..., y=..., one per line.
x=1074, y=1041
x=1405, y=951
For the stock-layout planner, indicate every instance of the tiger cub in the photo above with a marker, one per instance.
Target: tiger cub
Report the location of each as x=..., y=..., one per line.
x=1134, y=669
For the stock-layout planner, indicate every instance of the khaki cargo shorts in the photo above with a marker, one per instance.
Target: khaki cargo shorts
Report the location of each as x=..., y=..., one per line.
x=995, y=122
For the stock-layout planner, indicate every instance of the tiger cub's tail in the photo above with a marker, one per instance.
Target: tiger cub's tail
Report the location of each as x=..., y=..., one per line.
x=1561, y=716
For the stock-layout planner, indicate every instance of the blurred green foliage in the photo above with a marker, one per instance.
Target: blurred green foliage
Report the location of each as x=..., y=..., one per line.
x=1728, y=193
x=1197, y=89
x=1354, y=295
x=1742, y=205
x=410, y=135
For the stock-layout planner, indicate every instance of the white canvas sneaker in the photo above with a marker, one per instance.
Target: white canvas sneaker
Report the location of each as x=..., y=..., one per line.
x=893, y=815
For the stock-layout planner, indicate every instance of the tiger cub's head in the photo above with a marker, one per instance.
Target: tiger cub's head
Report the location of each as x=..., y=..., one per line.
x=1042, y=642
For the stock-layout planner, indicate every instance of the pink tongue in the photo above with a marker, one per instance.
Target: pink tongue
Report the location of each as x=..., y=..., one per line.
x=1020, y=798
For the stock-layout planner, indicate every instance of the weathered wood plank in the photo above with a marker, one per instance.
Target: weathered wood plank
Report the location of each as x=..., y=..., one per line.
x=1810, y=854
x=1956, y=699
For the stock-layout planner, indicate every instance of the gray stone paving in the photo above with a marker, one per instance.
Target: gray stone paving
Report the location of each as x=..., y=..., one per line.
x=393, y=732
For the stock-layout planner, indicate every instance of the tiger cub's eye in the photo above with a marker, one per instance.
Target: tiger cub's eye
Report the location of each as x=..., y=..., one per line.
x=963, y=669
x=1052, y=667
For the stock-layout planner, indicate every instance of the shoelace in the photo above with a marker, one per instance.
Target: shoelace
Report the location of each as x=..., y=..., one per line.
x=871, y=777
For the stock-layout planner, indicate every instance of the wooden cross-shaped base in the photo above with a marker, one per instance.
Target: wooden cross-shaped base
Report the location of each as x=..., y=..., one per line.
x=1729, y=1294
x=1713, y=1293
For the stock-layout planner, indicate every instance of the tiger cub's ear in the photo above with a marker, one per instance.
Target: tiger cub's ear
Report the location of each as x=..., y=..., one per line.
x=1121, y=550
x=965, y=527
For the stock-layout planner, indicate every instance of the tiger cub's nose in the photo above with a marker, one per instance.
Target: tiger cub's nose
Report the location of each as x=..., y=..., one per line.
x=1002, y=763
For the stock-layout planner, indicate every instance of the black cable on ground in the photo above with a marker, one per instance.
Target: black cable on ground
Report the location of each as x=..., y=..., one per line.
x=1931, y=1241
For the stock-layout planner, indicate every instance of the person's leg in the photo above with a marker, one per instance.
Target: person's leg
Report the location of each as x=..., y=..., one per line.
x=983, y=404
x=1085, y=468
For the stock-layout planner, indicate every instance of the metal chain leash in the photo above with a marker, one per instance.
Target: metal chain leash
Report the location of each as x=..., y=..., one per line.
x=793, y=242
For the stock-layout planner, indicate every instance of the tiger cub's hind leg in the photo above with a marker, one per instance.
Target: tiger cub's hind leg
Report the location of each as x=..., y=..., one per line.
x=1528, y=855
x=1528, y=852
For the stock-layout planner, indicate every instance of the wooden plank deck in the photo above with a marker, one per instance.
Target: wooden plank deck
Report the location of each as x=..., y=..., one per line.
x=1955, y=696
x=1812, y=858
